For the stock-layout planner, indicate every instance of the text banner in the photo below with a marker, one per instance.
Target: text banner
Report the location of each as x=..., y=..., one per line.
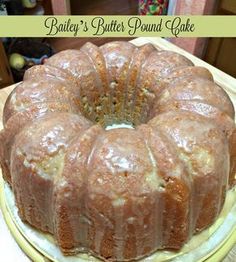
x=117, y=26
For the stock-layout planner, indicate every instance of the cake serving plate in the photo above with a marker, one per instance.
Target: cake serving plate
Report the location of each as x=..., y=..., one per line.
x=211, y=244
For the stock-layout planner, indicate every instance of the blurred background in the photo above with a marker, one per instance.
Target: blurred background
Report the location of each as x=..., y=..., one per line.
x=18, y=54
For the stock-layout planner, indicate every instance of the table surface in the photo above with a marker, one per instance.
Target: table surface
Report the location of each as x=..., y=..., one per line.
x=10, y=251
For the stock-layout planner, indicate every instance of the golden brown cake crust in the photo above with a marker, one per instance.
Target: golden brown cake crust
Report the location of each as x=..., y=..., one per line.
x=119, y=194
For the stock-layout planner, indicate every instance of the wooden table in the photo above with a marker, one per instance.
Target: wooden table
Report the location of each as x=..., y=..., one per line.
x=9, y=249
x=6, y=78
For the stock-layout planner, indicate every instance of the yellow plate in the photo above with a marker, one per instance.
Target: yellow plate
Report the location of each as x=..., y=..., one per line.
x=216, y=253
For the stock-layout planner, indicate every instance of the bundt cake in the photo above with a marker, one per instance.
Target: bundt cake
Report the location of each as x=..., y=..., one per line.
x=118, y=150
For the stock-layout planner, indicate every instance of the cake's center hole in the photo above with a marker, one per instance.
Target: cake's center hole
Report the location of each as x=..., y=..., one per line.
x=114, y=126
x=118, y=108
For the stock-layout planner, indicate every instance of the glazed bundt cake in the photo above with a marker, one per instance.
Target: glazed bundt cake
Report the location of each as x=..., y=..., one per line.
x=118, y=150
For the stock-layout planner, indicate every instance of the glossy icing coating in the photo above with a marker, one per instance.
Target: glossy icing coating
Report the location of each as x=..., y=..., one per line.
x=118, y=193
